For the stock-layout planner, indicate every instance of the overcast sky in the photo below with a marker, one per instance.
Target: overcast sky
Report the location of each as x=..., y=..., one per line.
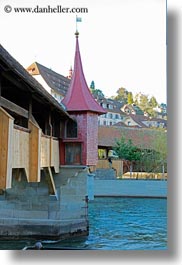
x=122, y=42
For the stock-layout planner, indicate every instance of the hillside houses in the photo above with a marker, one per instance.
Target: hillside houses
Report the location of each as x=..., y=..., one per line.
x=117, y=113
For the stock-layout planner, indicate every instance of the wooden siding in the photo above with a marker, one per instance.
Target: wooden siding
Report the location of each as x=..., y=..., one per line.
x=116, y=164
x=21, y=150
x=27, y=149
x=55, y=155
x=6, y=126
x=50, y=153
x=34, y=152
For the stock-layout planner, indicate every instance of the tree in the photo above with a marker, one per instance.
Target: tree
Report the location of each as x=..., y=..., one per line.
x=97, y=93
x=92, y=85
x=122, y=95
x=153, y=102
x=160, y=146
x=125, y=149
x=130, y=98
x=146, y=104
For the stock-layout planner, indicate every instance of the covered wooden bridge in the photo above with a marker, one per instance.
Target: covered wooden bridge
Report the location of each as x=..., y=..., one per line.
x=31, y=125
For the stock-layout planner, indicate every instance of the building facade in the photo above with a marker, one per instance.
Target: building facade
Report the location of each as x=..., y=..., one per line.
x=44, y=155
x=84, y=110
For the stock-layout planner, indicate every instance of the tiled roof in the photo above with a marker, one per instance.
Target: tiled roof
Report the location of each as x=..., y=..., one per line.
x=159, y=120
x=144, y=138
x=79, y=97
x=33, y=86
x=114, y=103
x=133, y=107
x=138, y=119
x=57, y=82
x=120, y=124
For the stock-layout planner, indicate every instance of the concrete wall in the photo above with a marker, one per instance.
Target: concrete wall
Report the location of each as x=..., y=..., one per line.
x=28, y=211
x=130, y=188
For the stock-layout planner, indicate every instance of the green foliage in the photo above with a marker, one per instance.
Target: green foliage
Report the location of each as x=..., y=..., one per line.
x=126, y=150
x=153, y=102
x=146, y=104
x=152, y=159
x=149, y=162
x=160, y=145
x=130, y=98
x=122, y=95
x=97, y=93
x=92, y=85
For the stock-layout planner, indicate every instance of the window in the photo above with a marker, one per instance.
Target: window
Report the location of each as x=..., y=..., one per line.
x=73, y=154
x=71, y=129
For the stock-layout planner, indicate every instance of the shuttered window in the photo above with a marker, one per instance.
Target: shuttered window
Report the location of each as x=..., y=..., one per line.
x=73, y=154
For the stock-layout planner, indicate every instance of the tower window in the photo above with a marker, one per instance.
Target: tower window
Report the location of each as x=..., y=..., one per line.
x=71, y=129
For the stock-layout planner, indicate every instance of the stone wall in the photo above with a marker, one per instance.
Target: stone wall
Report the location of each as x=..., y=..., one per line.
x=104, y=174
x=29, y=211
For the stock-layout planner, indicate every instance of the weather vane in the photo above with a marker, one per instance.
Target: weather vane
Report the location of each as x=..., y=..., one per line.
x=78, y=19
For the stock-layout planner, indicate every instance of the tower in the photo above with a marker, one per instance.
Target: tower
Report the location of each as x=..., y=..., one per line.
x=70, y=73
x=81, y=134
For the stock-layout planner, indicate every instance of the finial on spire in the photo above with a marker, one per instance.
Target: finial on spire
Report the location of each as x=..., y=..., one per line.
x=78, y=19
x=76, y=33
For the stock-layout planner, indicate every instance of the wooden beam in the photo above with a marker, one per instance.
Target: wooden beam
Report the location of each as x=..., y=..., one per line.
x=3, y=149
x=0, y=88
x=30, y=108
x=6, y=130
x=17, y=81
x=34, y=152
x=14, y=108
x=50, y=180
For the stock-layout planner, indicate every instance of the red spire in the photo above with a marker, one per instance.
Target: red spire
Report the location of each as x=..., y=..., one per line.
x=78, y=97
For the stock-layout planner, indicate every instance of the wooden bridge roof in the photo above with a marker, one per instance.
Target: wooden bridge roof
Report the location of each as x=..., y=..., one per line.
x=8, y=65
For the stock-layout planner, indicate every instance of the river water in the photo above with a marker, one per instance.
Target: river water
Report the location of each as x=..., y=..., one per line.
x=119, y=224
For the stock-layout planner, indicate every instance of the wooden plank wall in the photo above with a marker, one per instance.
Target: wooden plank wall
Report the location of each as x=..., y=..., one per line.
x=21, y=150
x=55, y=155
x=45, y=151
x=6, y=126
x=34, y=152
x=50, y=153
x=27, y=149
x=116, y=164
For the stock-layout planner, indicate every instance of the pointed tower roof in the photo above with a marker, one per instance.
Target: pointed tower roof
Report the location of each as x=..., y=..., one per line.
x=79, y=97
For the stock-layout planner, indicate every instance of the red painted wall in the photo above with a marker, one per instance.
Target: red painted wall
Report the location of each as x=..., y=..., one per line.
x=87, y=124
x=92, y=139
